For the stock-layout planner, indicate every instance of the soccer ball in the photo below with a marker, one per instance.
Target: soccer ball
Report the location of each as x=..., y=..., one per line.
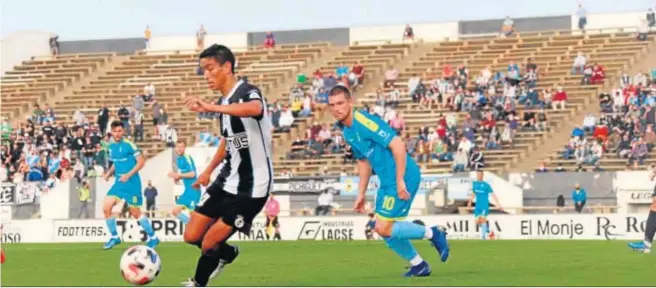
x=140, y=265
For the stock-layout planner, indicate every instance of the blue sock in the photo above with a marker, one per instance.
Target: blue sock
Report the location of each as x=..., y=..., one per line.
x=111, y=225
x=402, y=247
x=484, y=230
x=184, y=218
x=408, y=230
x=148, y=228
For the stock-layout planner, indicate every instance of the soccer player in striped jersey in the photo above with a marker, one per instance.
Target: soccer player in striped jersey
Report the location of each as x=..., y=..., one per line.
x=127, y=160
x=481, y=192
x=187, y=173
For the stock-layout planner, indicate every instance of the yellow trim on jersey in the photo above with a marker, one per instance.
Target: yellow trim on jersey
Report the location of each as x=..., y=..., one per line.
x=392, y=219
x=132, y=144
x=366, y=122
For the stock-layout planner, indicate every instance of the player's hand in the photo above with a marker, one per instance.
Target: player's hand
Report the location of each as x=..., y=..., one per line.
x=174, y=175
x=124, y=178
x=194, y=103
x=202, y=180
x=107, y=176
x=402, y=191
x=358, y=206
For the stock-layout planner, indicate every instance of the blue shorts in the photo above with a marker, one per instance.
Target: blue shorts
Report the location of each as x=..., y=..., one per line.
x=129, y=191
x=481, y=212
x=189, y=199
x=388, y=204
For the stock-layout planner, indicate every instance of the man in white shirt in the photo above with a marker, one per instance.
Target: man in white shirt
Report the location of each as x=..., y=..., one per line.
x=149, y=91
x=589, y=122
x=286, y=119
x=413, y=83
x=324, y=203
x=579, y=63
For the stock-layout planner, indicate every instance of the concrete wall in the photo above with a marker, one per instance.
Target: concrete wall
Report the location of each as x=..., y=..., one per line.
x=521, y=24
x=336, y=36
x=394, y=33
x=236, y=41
x=21, y=46
x=126, y=45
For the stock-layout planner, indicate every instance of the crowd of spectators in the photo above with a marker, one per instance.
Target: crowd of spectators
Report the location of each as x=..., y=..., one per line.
x=625, y=128
x=43, y=147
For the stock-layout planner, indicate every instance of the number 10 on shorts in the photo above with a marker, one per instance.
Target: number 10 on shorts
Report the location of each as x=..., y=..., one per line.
x=388, y=203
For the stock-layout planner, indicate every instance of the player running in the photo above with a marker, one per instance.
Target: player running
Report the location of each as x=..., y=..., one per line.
x=127, y=161
x=376, y=145
x=242, y=188
x=481, y=193
x=187, y=173
x=645, y=245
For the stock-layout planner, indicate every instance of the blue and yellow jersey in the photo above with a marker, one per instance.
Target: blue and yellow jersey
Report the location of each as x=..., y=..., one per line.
x=369, y=137
x=124, y=154
x=186, y=164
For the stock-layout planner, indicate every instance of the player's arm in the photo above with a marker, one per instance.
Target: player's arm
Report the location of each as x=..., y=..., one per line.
x=364, y=171
x=399, y=153
x=189, y=170
x=383, y=134
x=219, y=155
x=470, y=200
x=109, y=171
x=251, y=106
x=141, y=161
x=496, y=201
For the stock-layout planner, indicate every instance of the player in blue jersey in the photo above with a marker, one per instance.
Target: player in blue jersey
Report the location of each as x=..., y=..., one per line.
x=481, y=192
x=375, y=145
x=187, y=173
x=126, y=160
x=644, y=246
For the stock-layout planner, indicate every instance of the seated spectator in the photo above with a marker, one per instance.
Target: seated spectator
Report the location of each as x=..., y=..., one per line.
x=623, y=148
x=579, y=63
x=508, y=27
x=529, y=121
x=640, y=79
x=397, y=123
x=286, y=119
x=269, y=41
x=476, y=160
x=542, y=168
x=149, y=92
x=341, y=71
x=459, y=161
x=439, y=151
x=204, y=138
x=559, y=99
x=358, y=71
x=298, y=149
x=595, y=153
x=589, y=122
x=423, y=151
x=587, y=75
x=297, y=106
x=391, y=75
x=598, y=74
x=308, y=104
x=301, y=79
x=408, y=33
x=600, y=132
x=638, y=153
x=507, y=135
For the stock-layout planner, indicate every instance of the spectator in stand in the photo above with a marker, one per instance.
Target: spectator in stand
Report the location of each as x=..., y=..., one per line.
x=408, y=33
x=594, y=155
x=459, y=161
x=598, y=74
x=274, y=111
x=358, y=71
x=579, y=197
x=200, y=38
x=138, y=102
x=579, y=63
x=542, y=168
x=88, y=153
x=583, y=19
x=600, y=132
x=559, y=99
x=102, y=118
x=508, y=27
x=124, y=116
x=391, y=75
x=286, y=119
x=297, y=106
x=623, y=148
x=162, y=123
x=308, y=104
x=638, y=153
x=139, y=120
x=53, y=42
x=640, y=79
x=204, y=138
x=341, y=71
x=476, y=160
x=78, y=118
x=651, y=18
x=643, y=30
x=329, y=81
x=149, y=92
x=269, y=41
x=589, y=122
x=147, y=35
x=170, y=136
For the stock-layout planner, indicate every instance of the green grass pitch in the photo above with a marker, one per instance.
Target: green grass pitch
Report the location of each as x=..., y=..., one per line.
x=358, y=263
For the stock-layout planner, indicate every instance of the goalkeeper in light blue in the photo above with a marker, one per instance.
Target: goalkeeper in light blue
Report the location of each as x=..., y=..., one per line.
x=187, y=173
x=127, y=160
x=481, y=193
x=376, y=146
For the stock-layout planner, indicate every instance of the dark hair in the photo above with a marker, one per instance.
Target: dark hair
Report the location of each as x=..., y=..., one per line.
x=116, y=124
x=181, y=141
x=221, y=54
x=339, y=89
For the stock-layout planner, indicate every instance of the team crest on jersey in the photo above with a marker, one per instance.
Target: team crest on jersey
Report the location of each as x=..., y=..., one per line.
x=366, y=122
x=239, y=221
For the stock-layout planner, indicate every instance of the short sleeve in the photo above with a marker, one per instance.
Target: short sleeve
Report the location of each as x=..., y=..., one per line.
x=375, y=129
x=132, y=148
x=357, y=155
x=488, y=188
x=253, y=95
x=191, y=166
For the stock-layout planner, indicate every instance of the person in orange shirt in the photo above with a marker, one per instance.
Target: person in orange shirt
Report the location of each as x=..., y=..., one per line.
x=147, y=37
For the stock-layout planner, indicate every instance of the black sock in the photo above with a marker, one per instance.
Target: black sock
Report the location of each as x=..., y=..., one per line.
x=651, y=226
x=207, y=263
x=227, y=253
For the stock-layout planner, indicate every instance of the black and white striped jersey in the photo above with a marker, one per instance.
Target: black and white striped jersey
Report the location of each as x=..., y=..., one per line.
x=247, y=169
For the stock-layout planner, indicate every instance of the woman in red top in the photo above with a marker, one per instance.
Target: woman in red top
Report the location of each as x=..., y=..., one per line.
x=598, y=74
